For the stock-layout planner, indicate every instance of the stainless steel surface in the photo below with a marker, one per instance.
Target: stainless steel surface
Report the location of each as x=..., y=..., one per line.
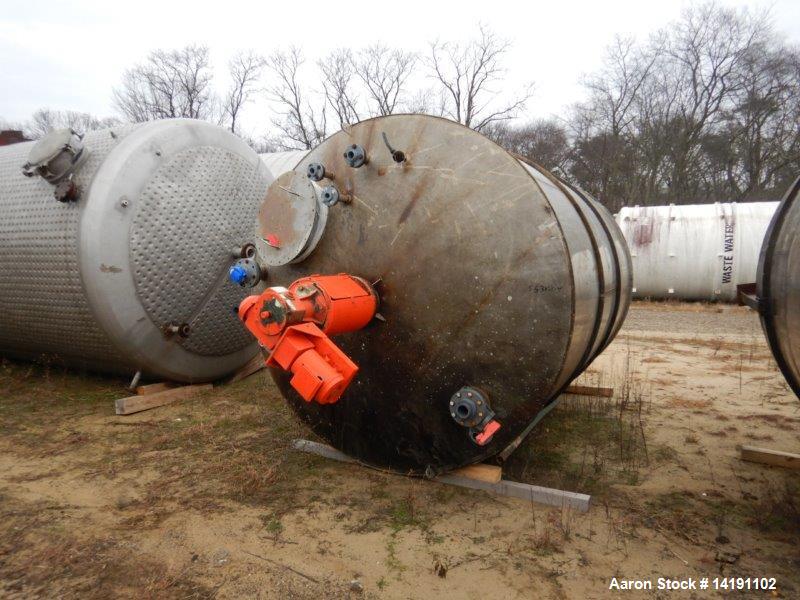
x=778, y=286
x=280, y=162
x=694, y=251
x=94, y=283
x=492, y=274
x=291, y=219
x=54, y=156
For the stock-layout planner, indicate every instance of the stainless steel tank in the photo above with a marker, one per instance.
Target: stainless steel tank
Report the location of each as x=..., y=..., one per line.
x=115, y=248
x=778, y=286
x=493, y=275
x=694, y=251
x=280, y=162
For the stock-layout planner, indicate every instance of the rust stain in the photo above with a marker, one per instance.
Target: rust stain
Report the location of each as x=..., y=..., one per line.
x=415, y=196
x=104, y=268
x=643, y=233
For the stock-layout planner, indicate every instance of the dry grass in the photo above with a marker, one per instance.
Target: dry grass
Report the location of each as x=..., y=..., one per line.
x=43, y=560
x=588, y=444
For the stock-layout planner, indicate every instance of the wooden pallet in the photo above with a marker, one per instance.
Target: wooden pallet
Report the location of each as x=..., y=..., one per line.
x=156, y=396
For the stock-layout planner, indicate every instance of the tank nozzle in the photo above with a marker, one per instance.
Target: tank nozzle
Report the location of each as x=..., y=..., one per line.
x=331, y=196
x=245, y=272
x=318, y=172
x=355, y=156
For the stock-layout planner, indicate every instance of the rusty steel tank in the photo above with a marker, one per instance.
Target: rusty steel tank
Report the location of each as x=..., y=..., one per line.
x=497, y=285
x=778, y=286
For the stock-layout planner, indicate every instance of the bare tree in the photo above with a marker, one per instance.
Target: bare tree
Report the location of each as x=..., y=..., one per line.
x=169, y=84
x=300, y=123
x=543, y=141
x=763, y=126
x=699, y=72
x=706, y=110
x=615, y=88
x=245, y=70
x=605, y=126
x=44, y=120
x=337, y=82
x=384, y=73
x=466, y=74
x=263, y=144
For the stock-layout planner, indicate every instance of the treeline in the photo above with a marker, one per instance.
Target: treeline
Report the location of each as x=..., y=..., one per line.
x=707, y=109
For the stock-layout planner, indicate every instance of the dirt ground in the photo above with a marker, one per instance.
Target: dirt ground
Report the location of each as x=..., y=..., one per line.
x=205, y=499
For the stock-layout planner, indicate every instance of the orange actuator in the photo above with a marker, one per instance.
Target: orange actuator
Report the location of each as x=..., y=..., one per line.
x=294, y=325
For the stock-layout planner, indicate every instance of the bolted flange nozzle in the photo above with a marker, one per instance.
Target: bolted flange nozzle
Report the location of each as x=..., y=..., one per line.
x=245, y=272
x=355, y=156
x=331, y=196
x=317, y=172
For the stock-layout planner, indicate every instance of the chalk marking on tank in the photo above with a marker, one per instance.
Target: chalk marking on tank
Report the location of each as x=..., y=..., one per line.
x=418, y=152
x=368, y=207
x=397, y=235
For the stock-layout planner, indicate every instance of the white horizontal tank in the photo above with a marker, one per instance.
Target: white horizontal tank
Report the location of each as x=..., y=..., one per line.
x=694, y=251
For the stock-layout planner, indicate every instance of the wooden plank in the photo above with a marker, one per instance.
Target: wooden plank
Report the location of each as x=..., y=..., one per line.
x=775, y=458
x=513, y=489
x=524, y=491
x=481, y=472
x=585, y=390
x=254, y=365
x=154, y=388
x=134, y=404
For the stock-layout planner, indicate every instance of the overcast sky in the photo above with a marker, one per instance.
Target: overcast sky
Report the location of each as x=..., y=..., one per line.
x=69, y=55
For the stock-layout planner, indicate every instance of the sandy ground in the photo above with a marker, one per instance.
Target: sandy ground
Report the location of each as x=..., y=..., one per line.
x=204, y=499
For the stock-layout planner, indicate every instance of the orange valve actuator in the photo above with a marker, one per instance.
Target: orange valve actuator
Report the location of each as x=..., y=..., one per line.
x=294, y=325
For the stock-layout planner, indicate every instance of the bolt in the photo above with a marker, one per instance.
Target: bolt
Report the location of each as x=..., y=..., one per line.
x=265, y=314
x=124, y=204
x=469, y=394
x=451, y=403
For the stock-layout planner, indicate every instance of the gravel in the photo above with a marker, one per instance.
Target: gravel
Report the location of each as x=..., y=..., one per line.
x=693, y=319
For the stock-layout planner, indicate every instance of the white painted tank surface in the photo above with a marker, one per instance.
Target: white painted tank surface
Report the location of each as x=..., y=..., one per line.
x=694, y=251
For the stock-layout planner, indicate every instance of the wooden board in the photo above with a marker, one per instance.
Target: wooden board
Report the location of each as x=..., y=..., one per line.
x=513, y=489
x=585, y=390
x=765, y=456
x=481, y=472
x=254, y=365
x=154, y=388
x=138, y=403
